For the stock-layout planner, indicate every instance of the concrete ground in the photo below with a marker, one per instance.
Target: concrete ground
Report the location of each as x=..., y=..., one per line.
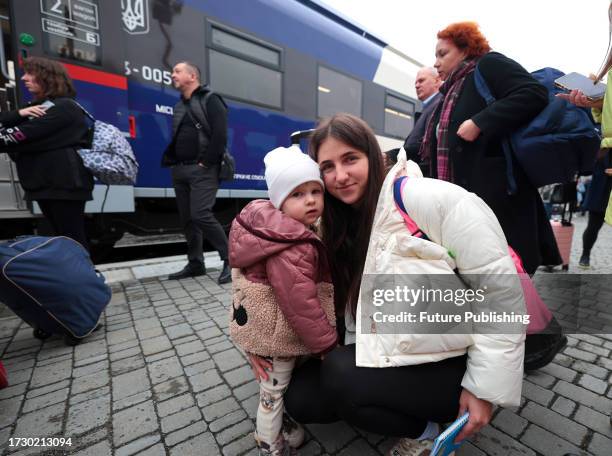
x=163, y=377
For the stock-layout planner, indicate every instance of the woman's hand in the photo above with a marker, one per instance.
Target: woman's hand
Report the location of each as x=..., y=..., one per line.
x=32, y=111
x=260, y=366
x=608, y=171
x=480, y=414
x=578, y=98
x=468, y=131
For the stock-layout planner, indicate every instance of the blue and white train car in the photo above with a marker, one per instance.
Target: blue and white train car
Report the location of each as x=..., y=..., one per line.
x=280, y=64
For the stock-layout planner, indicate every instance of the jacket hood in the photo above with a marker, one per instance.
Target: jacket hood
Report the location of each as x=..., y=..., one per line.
x=260, y=231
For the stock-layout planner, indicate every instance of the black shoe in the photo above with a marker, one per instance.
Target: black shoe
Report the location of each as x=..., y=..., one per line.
x=186, y=272
x=541, y=349
x=585, y=262
x=226, y=274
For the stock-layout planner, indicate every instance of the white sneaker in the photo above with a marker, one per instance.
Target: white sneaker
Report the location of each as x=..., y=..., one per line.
x=293, y=432
x=411, y=447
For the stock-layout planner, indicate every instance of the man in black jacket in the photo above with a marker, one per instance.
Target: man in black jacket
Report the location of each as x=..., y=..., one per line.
x=199, y=137
x=427, y=84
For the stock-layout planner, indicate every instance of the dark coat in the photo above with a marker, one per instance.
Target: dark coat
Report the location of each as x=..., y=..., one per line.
x=210, y=148
x=45, y=151
x=598, y=195
x=415, y=138
x=480, y=167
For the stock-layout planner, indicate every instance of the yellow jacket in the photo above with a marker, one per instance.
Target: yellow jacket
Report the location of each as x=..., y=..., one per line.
x=604, y=116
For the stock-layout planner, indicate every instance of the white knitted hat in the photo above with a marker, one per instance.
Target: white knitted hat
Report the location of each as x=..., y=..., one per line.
x=286, y=169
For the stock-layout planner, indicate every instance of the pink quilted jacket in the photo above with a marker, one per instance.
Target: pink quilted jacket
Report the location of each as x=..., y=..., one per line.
x=282, y=282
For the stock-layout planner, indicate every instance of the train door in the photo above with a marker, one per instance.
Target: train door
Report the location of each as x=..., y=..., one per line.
x=85, y=35
x=12, y=203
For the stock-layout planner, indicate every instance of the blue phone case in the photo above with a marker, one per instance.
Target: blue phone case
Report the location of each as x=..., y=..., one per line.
x=445, y=442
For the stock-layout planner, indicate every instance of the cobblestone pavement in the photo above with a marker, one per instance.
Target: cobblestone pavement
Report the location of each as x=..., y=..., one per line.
x=162, y=377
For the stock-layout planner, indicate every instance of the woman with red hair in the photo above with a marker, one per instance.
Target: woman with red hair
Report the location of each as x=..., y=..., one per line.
x=463, y=136
x=463, y=145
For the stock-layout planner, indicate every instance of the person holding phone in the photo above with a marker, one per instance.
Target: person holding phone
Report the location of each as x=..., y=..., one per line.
x=601, y=185
x=43, y=139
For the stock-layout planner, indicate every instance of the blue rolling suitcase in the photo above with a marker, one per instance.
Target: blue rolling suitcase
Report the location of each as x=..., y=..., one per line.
x=51, y=283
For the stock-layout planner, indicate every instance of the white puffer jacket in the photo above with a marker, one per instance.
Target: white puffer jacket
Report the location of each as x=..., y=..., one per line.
x=459, y=222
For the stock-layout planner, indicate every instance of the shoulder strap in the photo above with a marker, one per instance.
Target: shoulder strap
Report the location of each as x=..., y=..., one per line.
x=485, y=92
x=417, y=232
x=87, y=114
x=200, y=108
x=410, y=223
x=482, y=87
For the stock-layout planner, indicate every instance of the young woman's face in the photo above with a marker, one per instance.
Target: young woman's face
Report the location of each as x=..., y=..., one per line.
x=31, y=84
x=448, y=57
x=344, y=170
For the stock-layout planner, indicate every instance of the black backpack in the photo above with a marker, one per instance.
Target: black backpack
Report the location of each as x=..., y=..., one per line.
x=227, y=167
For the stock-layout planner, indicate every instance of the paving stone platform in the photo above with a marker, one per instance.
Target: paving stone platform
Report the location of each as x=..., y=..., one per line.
x=162, y=377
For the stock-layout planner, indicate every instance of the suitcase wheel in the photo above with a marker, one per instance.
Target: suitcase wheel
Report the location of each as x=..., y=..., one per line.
x=40, y=334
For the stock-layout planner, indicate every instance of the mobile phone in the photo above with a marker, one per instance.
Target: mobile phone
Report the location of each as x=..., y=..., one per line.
x=47, y=104
x=576, y=81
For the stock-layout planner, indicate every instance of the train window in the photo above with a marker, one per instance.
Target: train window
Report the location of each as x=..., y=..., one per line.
x=337, y=93
x=399, y=116
x=244, y=80
x=245, y=47
x=72, y=30
x=245, y=67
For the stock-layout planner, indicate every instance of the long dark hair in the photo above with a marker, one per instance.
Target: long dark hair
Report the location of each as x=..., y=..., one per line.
x=346, y=229
x=51, y=76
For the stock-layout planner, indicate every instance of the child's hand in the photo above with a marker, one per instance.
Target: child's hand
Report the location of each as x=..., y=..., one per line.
x=260, y=366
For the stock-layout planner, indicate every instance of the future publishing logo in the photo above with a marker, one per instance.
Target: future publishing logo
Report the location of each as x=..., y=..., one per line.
x=465, y=317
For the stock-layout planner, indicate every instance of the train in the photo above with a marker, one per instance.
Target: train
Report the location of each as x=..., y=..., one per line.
x=281, y=65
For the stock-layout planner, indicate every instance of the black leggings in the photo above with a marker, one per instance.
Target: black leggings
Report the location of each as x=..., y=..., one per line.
x=596, y=220
x=393, y=401
x=67, y=218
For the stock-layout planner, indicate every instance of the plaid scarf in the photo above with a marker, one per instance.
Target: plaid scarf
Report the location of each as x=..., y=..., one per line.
x=451, y=90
